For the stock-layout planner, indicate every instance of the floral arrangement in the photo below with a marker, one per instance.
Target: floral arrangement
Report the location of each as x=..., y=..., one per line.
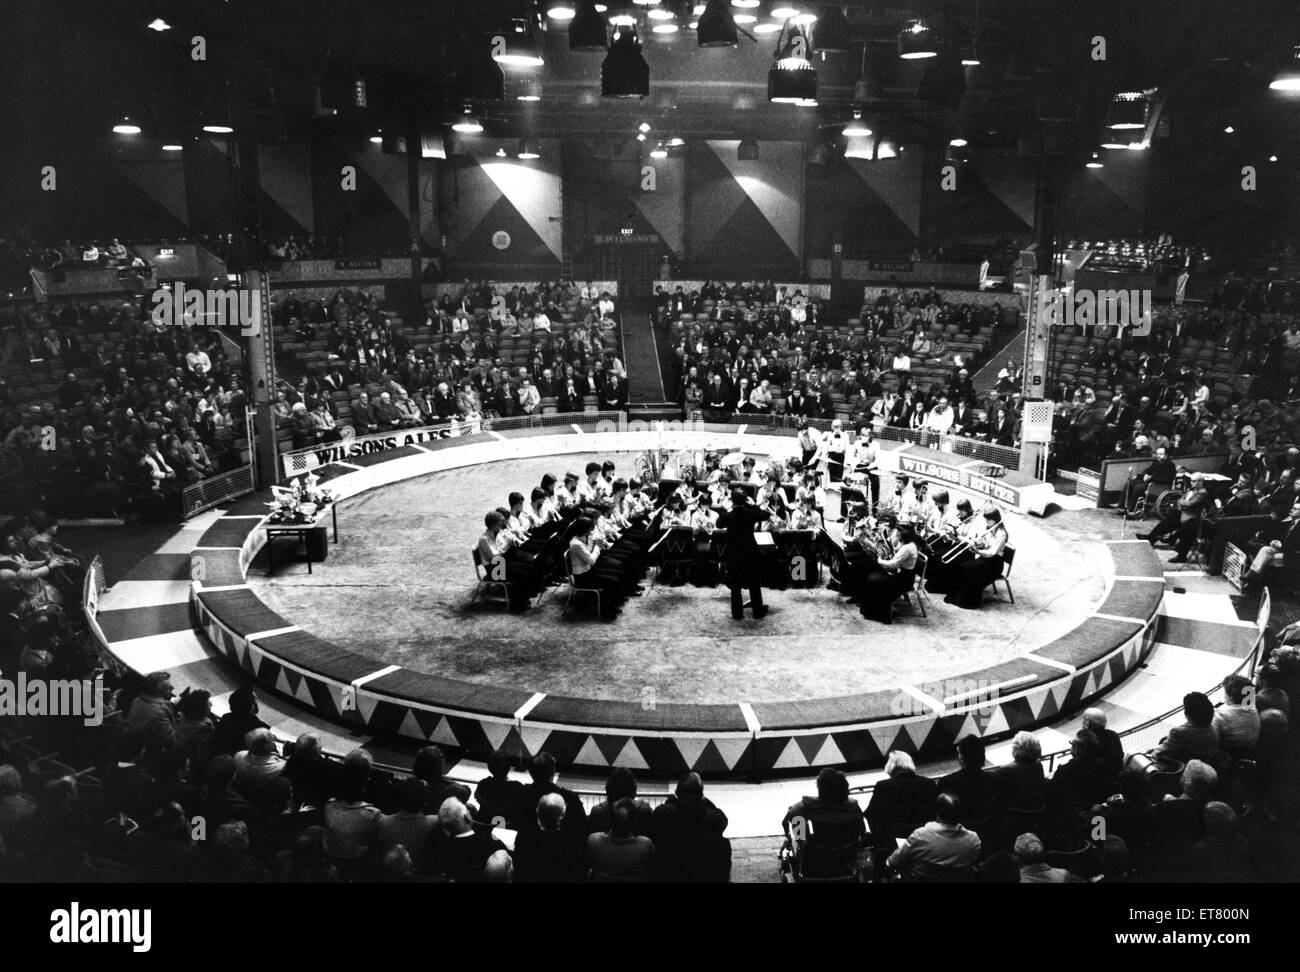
x=301, y=502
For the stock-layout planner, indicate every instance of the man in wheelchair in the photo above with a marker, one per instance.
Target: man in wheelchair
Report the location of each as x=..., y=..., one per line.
x=1142, y=491
x=824, y=835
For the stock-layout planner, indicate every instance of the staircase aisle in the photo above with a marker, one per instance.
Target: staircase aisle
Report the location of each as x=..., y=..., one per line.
x=644, y=376
x=986, y=379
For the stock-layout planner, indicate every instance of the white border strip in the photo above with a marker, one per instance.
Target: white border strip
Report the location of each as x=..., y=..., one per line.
x=258, y=635
x=386, y=670
x=929, y=701
x=1120, y=617
x=522, y=713
x=751, y=719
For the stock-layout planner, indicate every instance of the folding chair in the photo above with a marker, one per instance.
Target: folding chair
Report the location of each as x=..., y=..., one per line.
x=1008, y=557
x=574, y=588
x=485, y=579
x=922, y=562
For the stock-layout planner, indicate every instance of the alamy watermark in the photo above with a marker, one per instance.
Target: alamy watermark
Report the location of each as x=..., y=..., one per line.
x=79, y=697
x=622, y=424
x=221, y=307
x=1098, y=308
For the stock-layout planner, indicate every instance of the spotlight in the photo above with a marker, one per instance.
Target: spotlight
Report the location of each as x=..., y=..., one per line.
x=784, y=11
x=744, y=18
x=177, y=147
x=529, y=149
x=661, y=13
x=916, y=42
x=768, y=28
x=792, y=78
x=531, y=93
x=501, y=152
x=587, y=31
x=958, y=143
x=832, y=34
x=1229, y=130
x=664, y=27
x=747, y=150
x=560, y=10
x=643, y=127
x=745, y=4
x=159, y=25
x=659, y=152
x=625, y=73
x=640, y=136
x=1095, y=162
x=517, y=45
x=717, y=28
x=1271, y=158
x=468, y=124
x=218, y=128
x=856, y=128
x=126, y=127
x=676, y=142
x=1128, y=110
x=804, y=19
x=968, y=51
x=1288, y=79
x=377, y=138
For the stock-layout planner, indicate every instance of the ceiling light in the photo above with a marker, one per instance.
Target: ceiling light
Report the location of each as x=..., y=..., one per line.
x=677, y=142
x=958, y=142
x=792, y=78
x=1128, y=110
x=804, y=19
x=659, y=152
x=560, y=10
x=768, y=28
x=784, y=11
x=1229, y=130
x=640, y=137
x=218, y=128
x=857, y=127
x=377, y=139
x=625, y=73
x=716, y=26
x=1271, y=158
x=587, y=30
x=468, y=124
x=643, y=127
x=159, y=25
x=916, y=41
x=745, y=18
x=1095, y=162
x=1288, y=79
x=832, y=34
x=125, y=126
x=1137, y=146
x=622, y=13
x=532, y=94
x=662, y=13
x=664, y=28
x=806, y=103
x=501, y=152
x=968, y=51
x=529, y=149
x=520, y=48
x=177, y=147
x=745, y=4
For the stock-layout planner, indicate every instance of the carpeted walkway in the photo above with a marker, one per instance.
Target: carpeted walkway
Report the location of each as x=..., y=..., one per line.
x=645, y=383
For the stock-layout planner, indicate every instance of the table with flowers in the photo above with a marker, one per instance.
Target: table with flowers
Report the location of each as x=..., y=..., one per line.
x=298, y=512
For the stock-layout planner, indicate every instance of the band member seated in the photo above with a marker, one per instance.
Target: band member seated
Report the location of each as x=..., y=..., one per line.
x=805, y=516
x=741, y=554
x=944, y=563
x=970, y=579
x=703, y=520
x=893, y=577
x=915, y=503
x=569, y=497
x=1184, y=523
x=865, y=544
x=592, y=569
x=590, y=489
x=497, y=551
x=771, y=495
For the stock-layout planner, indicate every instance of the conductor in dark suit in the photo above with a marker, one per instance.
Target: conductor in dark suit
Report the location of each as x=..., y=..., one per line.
x=742, y=553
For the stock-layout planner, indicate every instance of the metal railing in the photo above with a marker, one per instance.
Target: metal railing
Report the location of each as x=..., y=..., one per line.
x=1008, y=457
x=214, y=490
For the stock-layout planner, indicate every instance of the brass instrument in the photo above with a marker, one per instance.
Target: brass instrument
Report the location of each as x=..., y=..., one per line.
x=967, y=544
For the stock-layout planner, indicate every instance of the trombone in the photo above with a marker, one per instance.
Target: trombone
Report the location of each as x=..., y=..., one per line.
x=967, y=544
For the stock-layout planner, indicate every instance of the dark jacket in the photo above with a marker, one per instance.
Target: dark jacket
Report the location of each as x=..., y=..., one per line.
x=900, y=804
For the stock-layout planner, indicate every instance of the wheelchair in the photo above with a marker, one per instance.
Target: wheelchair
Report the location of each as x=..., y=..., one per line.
x=823, y=847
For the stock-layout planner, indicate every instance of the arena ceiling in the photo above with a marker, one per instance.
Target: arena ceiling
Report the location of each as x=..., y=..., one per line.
x=69, y=67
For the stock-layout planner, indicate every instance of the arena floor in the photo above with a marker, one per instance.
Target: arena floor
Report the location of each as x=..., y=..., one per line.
x=398, y=587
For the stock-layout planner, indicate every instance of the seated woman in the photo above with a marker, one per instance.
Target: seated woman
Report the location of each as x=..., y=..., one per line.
x=894, y=576
x=590, y=569
x=969, y=580
x=499, y=557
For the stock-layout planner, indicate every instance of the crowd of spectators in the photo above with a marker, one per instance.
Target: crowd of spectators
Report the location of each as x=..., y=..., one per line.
x=287, y=813
x=133, y=419
x=453, y=364
x=783, y=341
x=1217, y=800
x=1160, y=398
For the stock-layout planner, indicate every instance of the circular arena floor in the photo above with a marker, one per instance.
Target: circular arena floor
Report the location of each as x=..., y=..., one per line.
x=398, y=588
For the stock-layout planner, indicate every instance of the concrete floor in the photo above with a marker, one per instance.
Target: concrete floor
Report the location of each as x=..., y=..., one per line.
x=398, y=587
